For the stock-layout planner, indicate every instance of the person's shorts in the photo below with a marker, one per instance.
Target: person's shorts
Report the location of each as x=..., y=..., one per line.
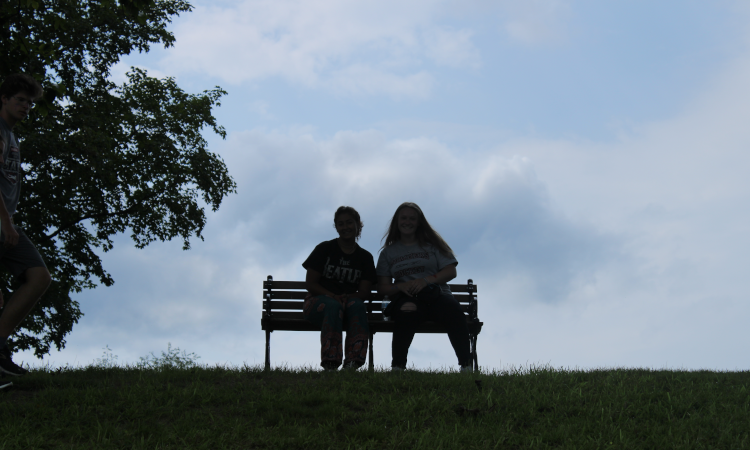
x=20, y=257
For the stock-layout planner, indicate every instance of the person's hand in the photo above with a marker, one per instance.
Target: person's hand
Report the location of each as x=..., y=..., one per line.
x=412, y=288
x=405, y=287
x=417, y=285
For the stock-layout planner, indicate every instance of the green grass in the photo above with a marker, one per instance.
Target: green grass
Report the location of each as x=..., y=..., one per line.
x=238, y=408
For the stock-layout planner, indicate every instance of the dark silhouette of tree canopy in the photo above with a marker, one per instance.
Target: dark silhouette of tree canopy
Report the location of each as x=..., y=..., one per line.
x=101, y=158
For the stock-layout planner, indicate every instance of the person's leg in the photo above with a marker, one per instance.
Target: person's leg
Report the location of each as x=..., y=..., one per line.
x=37, y=280
x=406, y=319
x=26, y=264
x=357, y=333
x=327, y=313
x=447, y=311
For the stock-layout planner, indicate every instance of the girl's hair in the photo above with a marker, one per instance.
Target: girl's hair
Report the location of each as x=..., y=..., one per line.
x=353, y=212
x=425, y=234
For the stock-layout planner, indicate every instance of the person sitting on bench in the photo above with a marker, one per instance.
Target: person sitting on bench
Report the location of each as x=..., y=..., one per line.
x=340, y=276
x=422, y=263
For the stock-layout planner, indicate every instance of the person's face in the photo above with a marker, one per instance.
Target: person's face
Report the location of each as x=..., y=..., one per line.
x=17, y=107
x=408, y=220
x=347, y=226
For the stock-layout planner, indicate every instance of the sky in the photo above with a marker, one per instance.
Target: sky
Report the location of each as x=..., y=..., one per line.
x=586, y=160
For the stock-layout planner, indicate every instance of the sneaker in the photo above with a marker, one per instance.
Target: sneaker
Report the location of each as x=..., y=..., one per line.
x=352, y=365
x=330, y=366
x=467, y=369
x=397, y=369
x=8, y=366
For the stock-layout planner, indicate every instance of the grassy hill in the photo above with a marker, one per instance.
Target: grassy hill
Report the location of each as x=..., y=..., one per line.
x=247, y=408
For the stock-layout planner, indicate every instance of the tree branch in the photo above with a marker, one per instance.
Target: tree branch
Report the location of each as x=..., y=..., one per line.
x=81, y=219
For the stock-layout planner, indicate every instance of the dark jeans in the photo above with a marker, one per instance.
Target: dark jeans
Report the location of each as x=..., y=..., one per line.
x=332, y=319
x=444, y=310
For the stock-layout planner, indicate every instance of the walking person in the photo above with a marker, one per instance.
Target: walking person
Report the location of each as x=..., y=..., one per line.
x=340, y=276
x=17, y=253
x=421, y=263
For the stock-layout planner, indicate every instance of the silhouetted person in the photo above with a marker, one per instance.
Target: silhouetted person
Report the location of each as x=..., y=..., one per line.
x=340, y=275
x=17, y=253
x=422, y=263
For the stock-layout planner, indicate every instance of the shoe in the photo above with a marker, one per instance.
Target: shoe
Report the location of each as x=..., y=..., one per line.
x=8, y=366
x=352, y=365
x=467, y=369
x=329, y=366
x=397, y=369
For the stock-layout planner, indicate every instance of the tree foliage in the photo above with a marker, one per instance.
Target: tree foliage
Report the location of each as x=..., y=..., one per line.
x=102, y=158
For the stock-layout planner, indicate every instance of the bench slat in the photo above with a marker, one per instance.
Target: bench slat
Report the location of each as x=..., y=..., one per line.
x=376, y=326
x=300, y=285
x=284, y=284
x=297, y=306
x=376, y=298
x=299, y=315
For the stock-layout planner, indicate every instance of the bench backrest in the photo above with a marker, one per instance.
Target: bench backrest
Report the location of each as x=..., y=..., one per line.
x=283, y=301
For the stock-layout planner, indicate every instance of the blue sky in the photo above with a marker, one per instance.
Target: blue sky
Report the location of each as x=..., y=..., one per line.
x=586, y=160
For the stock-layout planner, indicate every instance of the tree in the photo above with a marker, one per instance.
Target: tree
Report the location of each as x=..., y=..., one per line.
x=101, y=158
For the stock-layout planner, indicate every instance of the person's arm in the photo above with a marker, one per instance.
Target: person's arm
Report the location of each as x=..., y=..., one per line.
x=387, y=287
x=6, y=221
x=445, y=274
x=6, y=225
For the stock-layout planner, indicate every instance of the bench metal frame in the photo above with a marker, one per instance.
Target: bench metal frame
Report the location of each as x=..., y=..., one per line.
x=283, y=302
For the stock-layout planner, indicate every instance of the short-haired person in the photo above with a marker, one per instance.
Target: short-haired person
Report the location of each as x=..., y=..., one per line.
x=340, y=276
x=421, y=263
x=17, y=253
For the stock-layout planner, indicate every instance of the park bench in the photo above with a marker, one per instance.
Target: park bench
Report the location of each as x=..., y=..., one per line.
x=283, y=302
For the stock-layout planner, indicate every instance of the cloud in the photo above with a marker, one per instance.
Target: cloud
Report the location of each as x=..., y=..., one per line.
x=352, y=48
x=366, y=80
x=493, y=210
x=453, y=48
x=535, y=22
x=530, y=22
x=261, y=108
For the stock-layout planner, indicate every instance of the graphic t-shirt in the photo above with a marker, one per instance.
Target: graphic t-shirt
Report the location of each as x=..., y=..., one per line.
x=10, y=169
x=410, y=262
x=341, y=273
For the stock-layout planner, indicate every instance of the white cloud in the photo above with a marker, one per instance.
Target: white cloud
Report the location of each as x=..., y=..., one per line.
x=492, y=209
x=366, y=47
x=528, y=22
x=535, y=21
x=365, y=80
x=452, y=47
x=261, y=108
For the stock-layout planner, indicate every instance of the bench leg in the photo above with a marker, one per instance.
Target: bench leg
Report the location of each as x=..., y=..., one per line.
x=371, y=366
x=474, y=352
x=268, y=349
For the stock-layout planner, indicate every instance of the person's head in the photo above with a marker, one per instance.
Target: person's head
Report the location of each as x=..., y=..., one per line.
x=18, y=93
x=409, y=219
x=347, y=222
